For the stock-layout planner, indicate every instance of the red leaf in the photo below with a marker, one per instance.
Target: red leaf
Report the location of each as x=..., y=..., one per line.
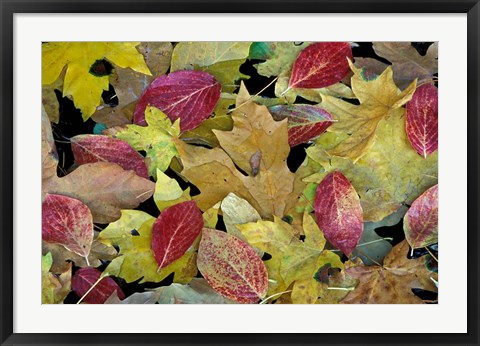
x=422, y=120
x=338, y=212
x=174, y=232
x=67, y=221
x=188, y=95
x=320, y=65
x=421, y=222
x=231, y=267
x=85, y=278
x=92, y=148
x=305, y=122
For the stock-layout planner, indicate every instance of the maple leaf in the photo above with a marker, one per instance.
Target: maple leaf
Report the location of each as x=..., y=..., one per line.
x=407, y=63
x=137, y=260
x=390, y=175
x=255, y=133
x=86, y=88
x=55, y=288
x=157, y=139
x=391, y=283
x=379, y=98
x=197, y=291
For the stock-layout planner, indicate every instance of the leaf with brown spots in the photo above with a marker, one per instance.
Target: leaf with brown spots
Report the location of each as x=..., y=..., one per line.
x=393, y=282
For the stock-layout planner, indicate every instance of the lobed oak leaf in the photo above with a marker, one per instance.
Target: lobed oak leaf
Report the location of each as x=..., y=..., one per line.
x=86, y=278
x=231, y=267
x=421, y=221
x=189, y=96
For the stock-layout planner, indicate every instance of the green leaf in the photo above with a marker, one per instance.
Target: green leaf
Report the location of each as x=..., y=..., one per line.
x=281, y=57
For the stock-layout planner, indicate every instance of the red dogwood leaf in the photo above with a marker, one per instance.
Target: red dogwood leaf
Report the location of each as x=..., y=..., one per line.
x=67, y=221
x=85, y=278
x=174, y=232
x=422, y=120
x=338, y=212
x=305, y=122
x=188, y=95
x=421, y=222
x=232, y=267
x=320, y=65
x=95, y=148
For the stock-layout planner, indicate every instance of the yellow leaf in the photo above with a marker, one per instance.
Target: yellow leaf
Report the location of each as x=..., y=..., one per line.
x=168, y=192
x=78, y=57
x=55, y=288
x=379, y=98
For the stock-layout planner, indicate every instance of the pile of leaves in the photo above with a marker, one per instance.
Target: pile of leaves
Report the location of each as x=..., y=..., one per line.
x=183, y=186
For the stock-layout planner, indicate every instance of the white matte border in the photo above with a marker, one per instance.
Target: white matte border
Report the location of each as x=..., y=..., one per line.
x=449, y=316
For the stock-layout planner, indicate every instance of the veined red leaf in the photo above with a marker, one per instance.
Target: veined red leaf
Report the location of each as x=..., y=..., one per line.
x=85, y=278
x=174, y=232
x=231, y=267
x=320, y=65
x=422, y=120
x=95, y=148
x=420, y=224
x=338, y=212
x=305, y=122
x=67, y=221
x=188, y=95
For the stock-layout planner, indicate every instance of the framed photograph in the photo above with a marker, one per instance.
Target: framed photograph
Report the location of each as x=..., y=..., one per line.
x=264, y=172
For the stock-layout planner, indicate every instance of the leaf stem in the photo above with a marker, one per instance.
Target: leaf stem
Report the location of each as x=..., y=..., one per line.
x=93, y=286
x=252, y=97
x=375, y=241
x=431, y=254
x=274, y=295
x=341, y=288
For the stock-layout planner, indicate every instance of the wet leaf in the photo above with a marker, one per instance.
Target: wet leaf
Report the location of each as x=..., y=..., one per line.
x=231, y=267
x=93, y=148
x=189, y=96
x=68, y=222
x=305, y=122
x=85, y=278
x=421, y=222
x=338, y=212
x=320, y=65
x=197, y=291
x=174, y=232
x=422, y=120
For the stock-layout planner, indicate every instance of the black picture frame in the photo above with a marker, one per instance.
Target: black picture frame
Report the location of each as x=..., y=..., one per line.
x=10, y=7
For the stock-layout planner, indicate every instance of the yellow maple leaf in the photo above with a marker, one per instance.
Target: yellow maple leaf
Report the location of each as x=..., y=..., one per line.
x=86, y=88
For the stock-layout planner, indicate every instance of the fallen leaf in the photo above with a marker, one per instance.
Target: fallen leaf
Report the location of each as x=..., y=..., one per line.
x=379, y=98
x=338, y=212
x=371, y=68
x=49, y=153
x=280, y=56
x=305, y=122
x=105, y=188
x=168, y=192
x=85, y=278
x=231, y=267
x=197, y=291
x=320, y=65
x=203, y=134
x=174, y=232
x=237, y=211
x=50, y=102
x=55, y=288
x=422, y=120
x=96, y=148
x=421, y=222
x=68, y=222
x=148, y=297
x=407, y=63
x=392, y=283
x=86, y=88
x=189, y=96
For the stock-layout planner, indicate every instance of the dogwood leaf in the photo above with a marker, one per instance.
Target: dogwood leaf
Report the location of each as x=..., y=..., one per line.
x=86, y=278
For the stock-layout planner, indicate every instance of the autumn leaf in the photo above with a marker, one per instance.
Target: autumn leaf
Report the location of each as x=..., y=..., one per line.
x=168, y=192
x=197, y=291
x=379, y=98
x=67, y=221
x=157, y=139
x=214, y=173
x=237, y=211
x=393, y=282
x=407, y=63
x=390, y=175
x=204, y=135
x=279, y=56
x=338, y=212
x=86, y=278
x=422, y=120
x=55, y=288
x=421, y=222
x=174, y=232
x=231, y=267
x=147, y=297
x=189, y=96
x=49, y=153
x=320, y=65
x=305, y=122
x=94, y=148
x=86, y=88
